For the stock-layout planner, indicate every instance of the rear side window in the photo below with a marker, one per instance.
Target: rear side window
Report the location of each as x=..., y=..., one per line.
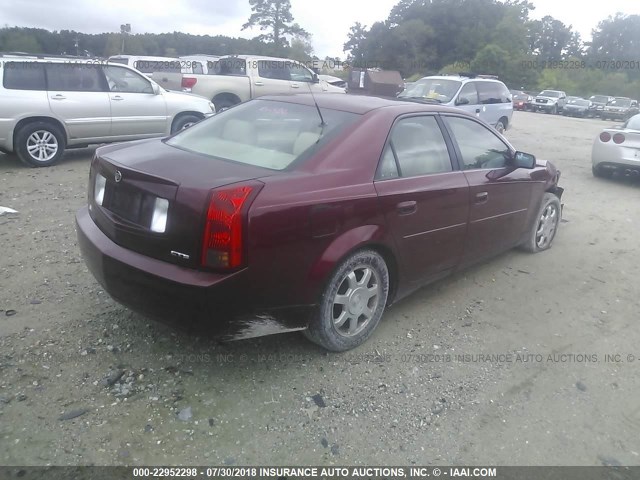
x=418, y=147
x=273, y=69
x=24, y=76
x=231, y=66
x=493, y=92
x=74, y=78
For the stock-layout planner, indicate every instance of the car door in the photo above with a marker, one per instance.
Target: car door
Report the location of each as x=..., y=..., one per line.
x=136, y=111
x=273, y=78
x=468, y=99
x=425, y=199
x=499, y=194
x=78, y=97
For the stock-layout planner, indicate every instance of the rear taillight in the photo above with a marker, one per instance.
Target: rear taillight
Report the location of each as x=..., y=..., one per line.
x=189, y=82
x=618, y=138
x=224, y=236
x=605, y=137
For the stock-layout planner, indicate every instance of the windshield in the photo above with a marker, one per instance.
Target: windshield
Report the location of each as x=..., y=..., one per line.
x=442, y=90
x=599, y=98
x=581, y=102
x=266, y=133
x=620, y=102
x=521, y=96
x=550, y=93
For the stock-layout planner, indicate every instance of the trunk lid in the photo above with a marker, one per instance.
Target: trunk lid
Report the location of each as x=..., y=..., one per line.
x=140, y=174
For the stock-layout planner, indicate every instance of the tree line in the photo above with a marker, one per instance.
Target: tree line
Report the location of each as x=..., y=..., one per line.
x=419, y=37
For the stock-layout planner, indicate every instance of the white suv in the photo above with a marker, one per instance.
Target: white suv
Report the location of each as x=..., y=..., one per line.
x=49, y=104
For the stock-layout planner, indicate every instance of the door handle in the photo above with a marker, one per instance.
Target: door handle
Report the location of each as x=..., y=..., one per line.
x=481, y=198
x=117, y=98
x=407, y=208
x=295, y=85
x=58, y=97
x=259, y=84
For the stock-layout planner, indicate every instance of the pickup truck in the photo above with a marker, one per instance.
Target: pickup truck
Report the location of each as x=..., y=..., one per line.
x=237, y=78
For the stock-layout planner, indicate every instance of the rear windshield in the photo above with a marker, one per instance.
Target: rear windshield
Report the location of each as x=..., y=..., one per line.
x=265, y=133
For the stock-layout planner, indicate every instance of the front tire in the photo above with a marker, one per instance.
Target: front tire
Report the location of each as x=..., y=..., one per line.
x=184, y=121
x=352, y=303
x=39, y=144
x=545, y=225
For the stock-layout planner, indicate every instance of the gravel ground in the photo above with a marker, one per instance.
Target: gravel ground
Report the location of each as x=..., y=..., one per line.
x=85, y=381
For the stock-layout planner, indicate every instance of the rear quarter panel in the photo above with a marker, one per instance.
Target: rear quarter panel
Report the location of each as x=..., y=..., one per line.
x=209, y=86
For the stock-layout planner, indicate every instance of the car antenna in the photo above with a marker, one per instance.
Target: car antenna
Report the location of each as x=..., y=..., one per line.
x=322, y=122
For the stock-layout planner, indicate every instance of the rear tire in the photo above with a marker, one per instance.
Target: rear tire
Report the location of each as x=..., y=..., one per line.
x=545, y=225
x=352, y=303
x=223, y=103
x=39, y=144
x=501, y=126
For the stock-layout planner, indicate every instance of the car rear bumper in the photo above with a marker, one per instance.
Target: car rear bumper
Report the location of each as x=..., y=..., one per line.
x=215, y=304
x=614, y=157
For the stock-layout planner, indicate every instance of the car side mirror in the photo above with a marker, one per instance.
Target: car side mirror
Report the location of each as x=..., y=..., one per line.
x=462, y=101
x=156, y=88
x=524, y=160
x=315, y=79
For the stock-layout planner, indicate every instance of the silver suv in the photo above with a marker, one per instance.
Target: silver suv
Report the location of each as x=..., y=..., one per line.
x=482, y=95
x=49, y=104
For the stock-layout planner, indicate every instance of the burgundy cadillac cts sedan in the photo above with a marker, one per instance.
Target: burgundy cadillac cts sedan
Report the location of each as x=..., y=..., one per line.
x=281, y=214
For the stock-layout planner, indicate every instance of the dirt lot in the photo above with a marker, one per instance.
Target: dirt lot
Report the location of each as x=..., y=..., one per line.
x=418, y=392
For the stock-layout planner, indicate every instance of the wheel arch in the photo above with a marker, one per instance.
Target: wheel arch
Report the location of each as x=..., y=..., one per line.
x=179, y=115
x=25, y=121
x=226, y=96
x=366, y=237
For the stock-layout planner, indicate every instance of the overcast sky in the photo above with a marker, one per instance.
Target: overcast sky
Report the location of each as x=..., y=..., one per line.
x=327, y=20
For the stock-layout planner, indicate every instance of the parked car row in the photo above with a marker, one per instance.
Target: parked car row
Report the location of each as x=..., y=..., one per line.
x=558, y=102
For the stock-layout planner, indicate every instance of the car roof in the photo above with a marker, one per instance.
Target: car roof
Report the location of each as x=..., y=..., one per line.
x=359, y=104
x=462, y=78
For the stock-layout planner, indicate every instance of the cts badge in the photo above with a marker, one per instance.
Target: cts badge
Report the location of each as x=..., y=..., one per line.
x=118, y=176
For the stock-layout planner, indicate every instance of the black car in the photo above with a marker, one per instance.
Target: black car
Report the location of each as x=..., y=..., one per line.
x=620, y=108
x=600, y=101
x=579, y=107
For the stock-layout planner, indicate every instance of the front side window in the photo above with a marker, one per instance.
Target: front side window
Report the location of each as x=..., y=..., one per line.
x=468, y=94
x=478, y=145
x=24, y=76
x=299, y=73
x=417, y=148
x=126, y=81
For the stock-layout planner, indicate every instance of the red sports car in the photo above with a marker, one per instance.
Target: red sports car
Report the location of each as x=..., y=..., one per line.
x=284, y=214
